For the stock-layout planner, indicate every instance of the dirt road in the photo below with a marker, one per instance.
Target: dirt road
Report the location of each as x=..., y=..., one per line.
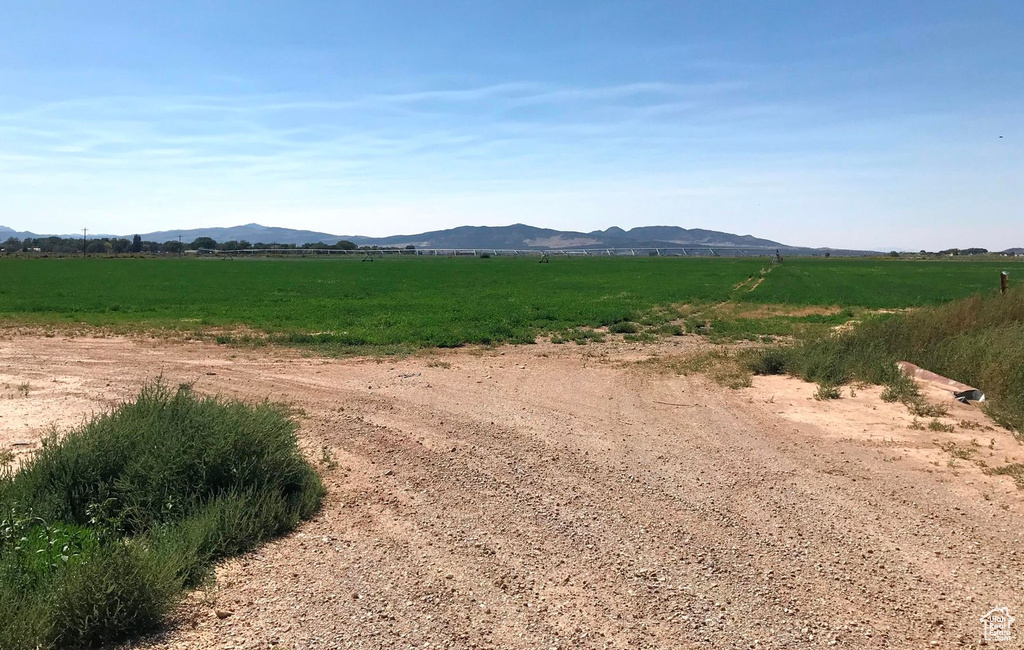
x=563, y=497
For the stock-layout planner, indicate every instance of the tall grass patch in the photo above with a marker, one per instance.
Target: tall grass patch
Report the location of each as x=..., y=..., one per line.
x=102, y=530
x=977, y=340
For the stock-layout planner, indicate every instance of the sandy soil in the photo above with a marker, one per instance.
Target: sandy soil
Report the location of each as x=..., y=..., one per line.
x=563, y=497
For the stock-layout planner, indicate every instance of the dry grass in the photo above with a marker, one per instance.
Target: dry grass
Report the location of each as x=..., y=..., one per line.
x=826, y=392
x=1015, y=471
x=724, y=367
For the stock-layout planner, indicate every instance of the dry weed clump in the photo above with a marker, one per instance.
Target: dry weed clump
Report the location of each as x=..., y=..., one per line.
x=724, y=367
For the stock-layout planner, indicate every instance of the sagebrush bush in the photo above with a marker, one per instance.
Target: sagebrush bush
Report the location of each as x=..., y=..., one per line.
x=102, y=529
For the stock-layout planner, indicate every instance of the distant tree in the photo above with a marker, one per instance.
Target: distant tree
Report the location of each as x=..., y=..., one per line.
x=96, y=247
x=172, y=246
x=136, y=244
x=244, y=245
x=12, y=245
x=894, y=254
x=53, y=244
x=343, y=245
x=121, y=245
x=203, y=242
x=228, y=246
x=410, y=247
x=964, y=251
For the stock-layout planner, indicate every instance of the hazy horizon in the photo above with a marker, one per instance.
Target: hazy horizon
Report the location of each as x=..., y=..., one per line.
x=357, y=235
x=865, y=125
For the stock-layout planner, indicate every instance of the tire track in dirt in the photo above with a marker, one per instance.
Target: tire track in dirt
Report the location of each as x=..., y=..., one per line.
x=521, y=500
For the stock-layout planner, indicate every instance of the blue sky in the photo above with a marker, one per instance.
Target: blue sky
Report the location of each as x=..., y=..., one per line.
x=845, y=124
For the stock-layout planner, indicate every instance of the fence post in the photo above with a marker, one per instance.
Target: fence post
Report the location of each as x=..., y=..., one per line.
x=1004, y=281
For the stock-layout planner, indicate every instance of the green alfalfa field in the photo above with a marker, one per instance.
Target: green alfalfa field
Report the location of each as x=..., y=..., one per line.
x=392, y=304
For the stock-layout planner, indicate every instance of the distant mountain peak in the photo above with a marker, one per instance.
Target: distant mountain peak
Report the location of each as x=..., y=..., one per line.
x=515, y=236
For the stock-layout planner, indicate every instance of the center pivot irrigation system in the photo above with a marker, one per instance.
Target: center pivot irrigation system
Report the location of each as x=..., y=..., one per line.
x=699, y=251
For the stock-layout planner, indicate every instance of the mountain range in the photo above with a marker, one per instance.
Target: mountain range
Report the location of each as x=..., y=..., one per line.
x=520, y=236
x=516, y=236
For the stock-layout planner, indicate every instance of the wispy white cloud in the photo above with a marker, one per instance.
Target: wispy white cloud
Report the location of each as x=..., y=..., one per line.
x=559, y=155
x=161, y=132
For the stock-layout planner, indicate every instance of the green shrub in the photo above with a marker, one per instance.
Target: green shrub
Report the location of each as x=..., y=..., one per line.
x=768, y=361
x=670, y=329
x=121, y=589
x=901, y=388
x=35, y=550
x=580, y=335
x=624, y=327
x=101, y=530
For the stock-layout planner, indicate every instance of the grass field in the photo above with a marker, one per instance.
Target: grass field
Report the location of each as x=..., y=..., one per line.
x=428, y=302
x=881, y=284
x=450, y=302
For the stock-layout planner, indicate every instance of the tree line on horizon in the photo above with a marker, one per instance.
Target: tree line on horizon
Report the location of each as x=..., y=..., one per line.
x=136, y=245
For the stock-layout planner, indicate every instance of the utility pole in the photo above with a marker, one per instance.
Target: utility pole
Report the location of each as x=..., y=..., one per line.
x=85, y=241
x=179, y=246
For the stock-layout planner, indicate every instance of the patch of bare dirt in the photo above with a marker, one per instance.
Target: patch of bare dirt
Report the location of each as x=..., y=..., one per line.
x=756, y=284
x=559, y=496
x=742, y=283
x=755, y=311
